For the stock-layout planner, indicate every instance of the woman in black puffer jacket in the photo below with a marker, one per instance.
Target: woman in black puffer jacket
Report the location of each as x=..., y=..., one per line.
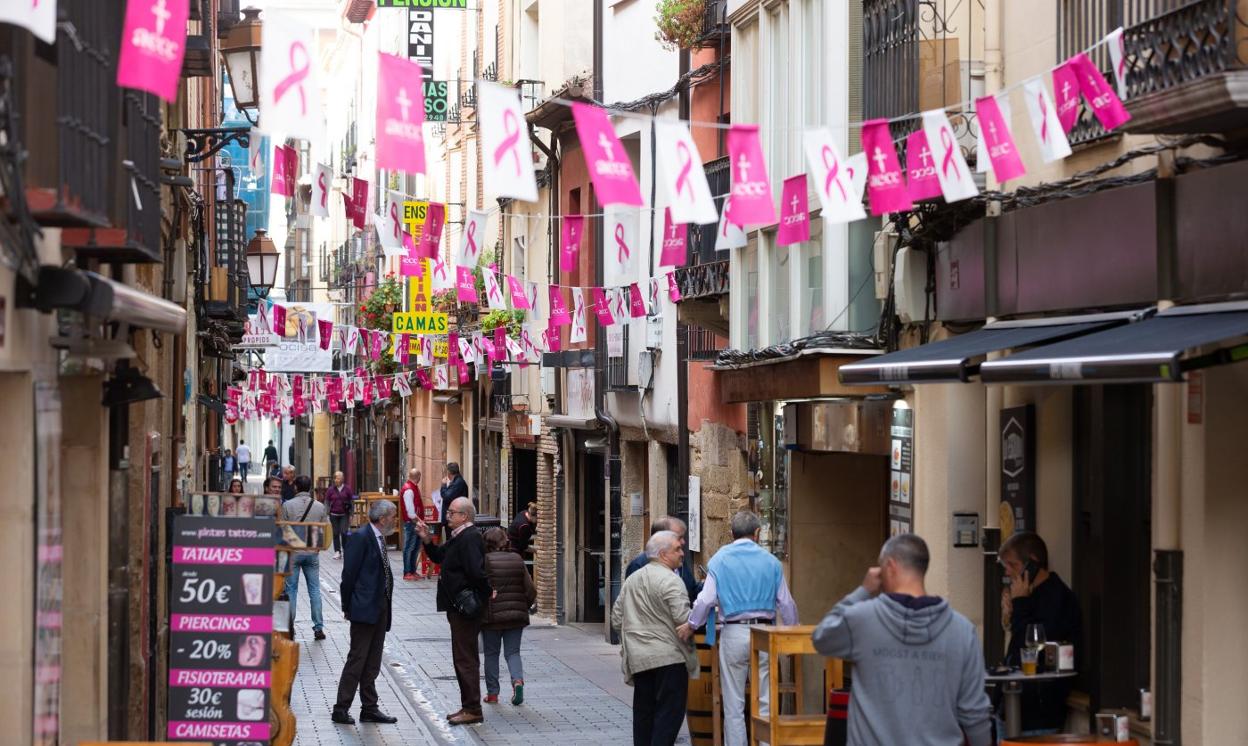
x=507, y=614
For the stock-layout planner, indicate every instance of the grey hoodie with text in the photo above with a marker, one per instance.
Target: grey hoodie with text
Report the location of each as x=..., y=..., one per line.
x=918, y=676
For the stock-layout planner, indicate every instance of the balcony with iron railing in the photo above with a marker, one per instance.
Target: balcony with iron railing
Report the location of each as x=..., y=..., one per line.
x=715, y=26
x=225, y=293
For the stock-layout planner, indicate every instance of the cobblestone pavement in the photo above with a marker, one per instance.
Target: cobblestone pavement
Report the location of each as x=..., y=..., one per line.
x=574, y=691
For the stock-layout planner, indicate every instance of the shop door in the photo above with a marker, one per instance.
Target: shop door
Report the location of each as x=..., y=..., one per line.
x=1113, y=538
x=524, y=480
x=392, y=464
x=593, y=539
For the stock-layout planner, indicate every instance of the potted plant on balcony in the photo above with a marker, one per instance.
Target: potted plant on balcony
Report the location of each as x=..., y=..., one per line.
x=510, y=319
x=679, y=23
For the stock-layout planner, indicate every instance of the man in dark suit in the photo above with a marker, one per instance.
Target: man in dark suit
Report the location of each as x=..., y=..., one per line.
x=678, y=527
x=453, y=485
x=366, y=589
x=462, y=559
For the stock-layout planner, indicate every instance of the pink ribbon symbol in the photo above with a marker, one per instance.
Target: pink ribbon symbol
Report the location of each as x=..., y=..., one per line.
x=439, y=267
x=297, y=76
x=320, y=180
x=510, y=141
x=686, y=165
x=494, y=291
x=472, y=243
x=623, y=252
x=394, y=216
x=1044, y=117
x=946, y=142
x=834, y=168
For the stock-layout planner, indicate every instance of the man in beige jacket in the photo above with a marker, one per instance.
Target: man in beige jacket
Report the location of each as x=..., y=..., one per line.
x=657, y=658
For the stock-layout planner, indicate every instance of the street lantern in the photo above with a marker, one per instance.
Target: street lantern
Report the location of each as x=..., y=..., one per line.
x=262, y=259
x=241, y=50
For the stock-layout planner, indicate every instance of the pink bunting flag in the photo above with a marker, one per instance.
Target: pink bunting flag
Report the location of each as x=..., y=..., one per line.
x=400, y=113
x=279, y=177
x=923, y=183
x=636, y=302
x=558, y=310
x=348, y=206
x=292, y=169
x=422, y=378
x=518, y=298
x=609, y=167
x=570, y=241
x=368, y=391
x=410, y=264
x=463, y=371
x=452, y=348
x=551, y=337
x=325, y=329
x=279, y=320
x=602, y=309
x=359, y=200
x=379, y=342
x=465, y=285
x=673, y=288
x=383, y=386
x=1100, y=96
x=153, y=43
x=675, y=242
x=751, y=201
x=431, y=231
x=794, y=212
x=1066, y=91
x=886, y=187
x=998, y=141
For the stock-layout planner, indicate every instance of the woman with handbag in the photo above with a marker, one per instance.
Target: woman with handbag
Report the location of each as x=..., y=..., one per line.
x=462, y=592
x=506, y=615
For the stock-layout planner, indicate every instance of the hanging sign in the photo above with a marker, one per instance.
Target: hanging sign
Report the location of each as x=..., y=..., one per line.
x=1018, y=471
x=420, y=38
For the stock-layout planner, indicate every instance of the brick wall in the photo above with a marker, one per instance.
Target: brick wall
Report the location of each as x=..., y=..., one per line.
x=545, y=542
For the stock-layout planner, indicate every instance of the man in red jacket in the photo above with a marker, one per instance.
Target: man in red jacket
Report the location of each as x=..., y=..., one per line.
x=410, y=506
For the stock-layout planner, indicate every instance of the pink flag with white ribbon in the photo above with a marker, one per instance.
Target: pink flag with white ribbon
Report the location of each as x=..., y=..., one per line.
x=675, y=242
x=1066, y=91
x=518, y=298
x=673, y=287
x=609, y=166
x=920, y=168
x=400, y=114
x=994, y=131
x=322, y=185
x=636, y=302
x=431, y=231
x=1044, y=123
x=794, y=212
x=833, y=183
x=886, y=187
x=506, y=155
x=751, y=202
x=1100, y=96
x=558, y=311
x=602, y=309
x=688, y=192
x=472, y=237
x=153, y=43
x=570, y=241
x=290, y=99
x=956, y=180
x=325, y=329
x=465, y=285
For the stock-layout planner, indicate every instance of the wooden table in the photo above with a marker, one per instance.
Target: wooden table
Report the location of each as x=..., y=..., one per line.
x=796, y=729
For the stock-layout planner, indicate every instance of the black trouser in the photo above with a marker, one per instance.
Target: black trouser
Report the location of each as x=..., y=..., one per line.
x=363, y=663
x=659, y=697
x=466, y=653
x=341, y=524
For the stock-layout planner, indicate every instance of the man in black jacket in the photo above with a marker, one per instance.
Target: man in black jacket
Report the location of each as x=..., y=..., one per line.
x=462, y=560
x=678, y=527
x=453, y=485
x=366, y=590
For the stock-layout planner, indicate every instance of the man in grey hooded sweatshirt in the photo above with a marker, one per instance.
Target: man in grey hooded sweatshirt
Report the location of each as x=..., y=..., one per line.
x=918, y=665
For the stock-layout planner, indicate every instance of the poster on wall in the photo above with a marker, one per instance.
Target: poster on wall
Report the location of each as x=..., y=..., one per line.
x=221, y=624
x=299, y=350
x=1018, y=473
x=695, y=514
x=901, y=471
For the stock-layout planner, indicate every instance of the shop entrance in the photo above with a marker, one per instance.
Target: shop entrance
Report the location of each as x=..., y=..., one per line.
x=1112, y=543
x=592, y=545
x=524, y=480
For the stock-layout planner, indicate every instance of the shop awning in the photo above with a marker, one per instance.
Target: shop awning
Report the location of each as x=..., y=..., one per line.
x=956, y=359
x=1147, y=351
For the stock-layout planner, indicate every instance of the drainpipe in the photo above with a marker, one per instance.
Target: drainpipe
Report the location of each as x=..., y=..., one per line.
x=680, y=505
x=1167, y=561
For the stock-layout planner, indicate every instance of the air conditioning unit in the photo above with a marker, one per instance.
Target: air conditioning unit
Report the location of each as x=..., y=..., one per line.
x=882, y=249
x=910, y=285
x=839, y=426
x=647, y=364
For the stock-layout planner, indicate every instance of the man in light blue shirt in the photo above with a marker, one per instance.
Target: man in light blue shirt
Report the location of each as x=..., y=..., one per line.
x=747, y=583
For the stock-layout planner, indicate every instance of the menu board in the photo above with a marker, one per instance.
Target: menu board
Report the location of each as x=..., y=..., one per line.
x=901, y=471
x=221, y=623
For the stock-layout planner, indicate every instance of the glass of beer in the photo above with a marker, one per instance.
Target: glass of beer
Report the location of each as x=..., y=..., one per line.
x=1029, y=656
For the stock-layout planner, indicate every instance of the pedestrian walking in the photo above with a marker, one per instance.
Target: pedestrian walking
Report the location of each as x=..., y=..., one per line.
x=340, y=502
x=507, y=613
x=462, y=592
x=411, y=509
x=918, y=664
x=678, y=527
x=270, y=453
x=288, y=483
x=300, y=509
x=453, y=485
x=520, y=532
x=747, y=583
x=227, y=464
x=366, y=590
x=243, y=456
x=655, y=655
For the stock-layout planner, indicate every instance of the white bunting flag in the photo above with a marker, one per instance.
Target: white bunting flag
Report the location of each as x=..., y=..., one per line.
x=465, y=348
x=1044, y=122
x=36, y=16
x=322, y=188
x=579, y=327
x=857, y=167
x=831, y=178
x=353, y=340
x=1118, y=59
x=622, y=243
x=256, y=148
x=443, y=278
x=506, y=153
x=515, y=351
x=403, y=383
x=472, y=238
x=729, y=235
x=478, y=349
x=688, y=193
x=440, y=379
x=956, y=180
x=654, y=301
x=290, y=99
x=535, y=308
x=390, y=225
x=493, y=291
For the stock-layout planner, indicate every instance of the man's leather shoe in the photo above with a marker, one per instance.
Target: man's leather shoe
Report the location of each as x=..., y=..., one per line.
x=319, y=634
x=463, y=717
x=377, y=716
x=342, y=717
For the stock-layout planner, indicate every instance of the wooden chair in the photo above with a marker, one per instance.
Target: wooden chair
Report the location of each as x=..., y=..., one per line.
x=799, y=728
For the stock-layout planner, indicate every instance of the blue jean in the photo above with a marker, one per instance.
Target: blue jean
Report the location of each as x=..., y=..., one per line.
x=242, y=469
x=509, y=641
x=411, y=547
x=310, y=564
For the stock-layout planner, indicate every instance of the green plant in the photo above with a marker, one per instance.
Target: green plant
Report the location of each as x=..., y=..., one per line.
x=679, y=23
x=375, y=312
x=445, y=301
x=510, y=319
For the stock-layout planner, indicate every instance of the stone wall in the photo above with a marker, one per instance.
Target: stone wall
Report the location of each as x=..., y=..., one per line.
x=545, y=541
x=717, y=454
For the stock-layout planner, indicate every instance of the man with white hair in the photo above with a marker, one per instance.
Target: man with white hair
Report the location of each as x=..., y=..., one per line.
x=654, y=651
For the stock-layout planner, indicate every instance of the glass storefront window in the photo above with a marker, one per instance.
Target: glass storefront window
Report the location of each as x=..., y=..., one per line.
x=812, y=319
x=751, y=296
x=781, y=327
x=769, y=479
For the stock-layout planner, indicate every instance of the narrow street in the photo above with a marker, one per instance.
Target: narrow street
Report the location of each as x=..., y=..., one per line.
x=574, y=691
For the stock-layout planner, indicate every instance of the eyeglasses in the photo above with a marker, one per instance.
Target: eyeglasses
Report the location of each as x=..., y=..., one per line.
x=457, y=512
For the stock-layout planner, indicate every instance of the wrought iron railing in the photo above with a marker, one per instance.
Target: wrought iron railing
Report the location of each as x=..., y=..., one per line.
x=703, y=280
x=890, y=52
x=702, y=237
x=140, y=175
x=703, y=344
x=1183, y=44
x=617, y=367
x=715, y=21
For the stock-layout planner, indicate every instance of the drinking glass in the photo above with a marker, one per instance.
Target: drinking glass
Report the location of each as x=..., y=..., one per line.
x=1029, y=657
